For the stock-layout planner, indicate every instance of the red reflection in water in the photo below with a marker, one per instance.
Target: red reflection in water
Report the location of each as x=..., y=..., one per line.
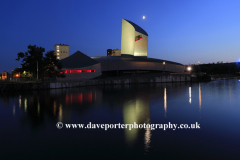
x=81, y=97
x=88, y=97
x=95, y=96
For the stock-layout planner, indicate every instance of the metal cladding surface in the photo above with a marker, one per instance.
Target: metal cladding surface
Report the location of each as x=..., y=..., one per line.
x=80, y=61
x=77, y=60
x=111, y=63
x=134, y=40
x=137, y=28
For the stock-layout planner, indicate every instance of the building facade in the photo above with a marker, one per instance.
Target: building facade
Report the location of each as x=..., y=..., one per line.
x=61, y=51
x=130, y=60
x=134, y=40
x=80, y=66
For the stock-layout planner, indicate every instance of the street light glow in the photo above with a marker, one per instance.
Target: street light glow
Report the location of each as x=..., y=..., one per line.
x=189, y=68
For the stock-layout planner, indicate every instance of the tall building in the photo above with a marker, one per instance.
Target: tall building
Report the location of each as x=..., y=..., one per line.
x=61, y=51
x=130, y=60
x=134, y=39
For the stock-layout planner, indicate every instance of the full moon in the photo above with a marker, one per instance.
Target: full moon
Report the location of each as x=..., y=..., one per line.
x=143, y=17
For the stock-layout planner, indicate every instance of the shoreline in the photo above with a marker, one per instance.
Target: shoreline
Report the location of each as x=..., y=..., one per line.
x=18, y=86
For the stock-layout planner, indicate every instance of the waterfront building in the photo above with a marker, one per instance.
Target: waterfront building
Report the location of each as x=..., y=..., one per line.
x=132, y=59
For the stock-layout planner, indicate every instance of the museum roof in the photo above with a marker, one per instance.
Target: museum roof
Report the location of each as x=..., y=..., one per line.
x=77, y=60
x=125, y=58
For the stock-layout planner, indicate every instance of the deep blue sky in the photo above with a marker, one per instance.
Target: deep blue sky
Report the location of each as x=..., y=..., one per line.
x=184, y=31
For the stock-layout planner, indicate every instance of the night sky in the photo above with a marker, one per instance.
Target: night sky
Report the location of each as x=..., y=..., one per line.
x=184, y=31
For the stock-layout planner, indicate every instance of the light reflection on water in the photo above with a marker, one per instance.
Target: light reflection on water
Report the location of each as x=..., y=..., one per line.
x=200, y=99
x=165, y=101
x=207, y=103
x=190, y=95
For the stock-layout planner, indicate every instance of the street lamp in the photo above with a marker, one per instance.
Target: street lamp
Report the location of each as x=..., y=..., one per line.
x=163, y=67
x=189, y=69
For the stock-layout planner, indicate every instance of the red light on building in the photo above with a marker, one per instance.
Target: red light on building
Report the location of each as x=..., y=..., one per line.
x=72, y=71
x=77, y=71
x=87, y=70
x=138, y=38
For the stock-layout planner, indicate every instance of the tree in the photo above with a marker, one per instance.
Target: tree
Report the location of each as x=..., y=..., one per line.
x=52, y=65
x=33, y=59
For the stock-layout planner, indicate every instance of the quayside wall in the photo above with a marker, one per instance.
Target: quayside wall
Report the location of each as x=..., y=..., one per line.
x=112, y=81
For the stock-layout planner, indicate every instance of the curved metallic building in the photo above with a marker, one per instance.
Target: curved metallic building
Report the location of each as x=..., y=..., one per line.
x=134, y=39
x=133, y=59
x=140, y=64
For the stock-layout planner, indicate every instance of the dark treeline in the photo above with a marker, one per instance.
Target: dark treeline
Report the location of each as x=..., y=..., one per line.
x=217, y=68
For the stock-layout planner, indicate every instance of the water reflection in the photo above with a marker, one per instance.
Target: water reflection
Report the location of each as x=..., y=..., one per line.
x=190, y=95
x=229, y=91
x=38, y=107
x=89, y=97
x=165, y=101
x=13, y=109
x=20, y=101
x=60, y=113
x=200, y=97
x=25, y=105
x=147, y=137
x=116, y=104
x=54, y=108
x=137, y=111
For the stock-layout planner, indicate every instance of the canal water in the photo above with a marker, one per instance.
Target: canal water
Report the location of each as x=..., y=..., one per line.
x=30, y=128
